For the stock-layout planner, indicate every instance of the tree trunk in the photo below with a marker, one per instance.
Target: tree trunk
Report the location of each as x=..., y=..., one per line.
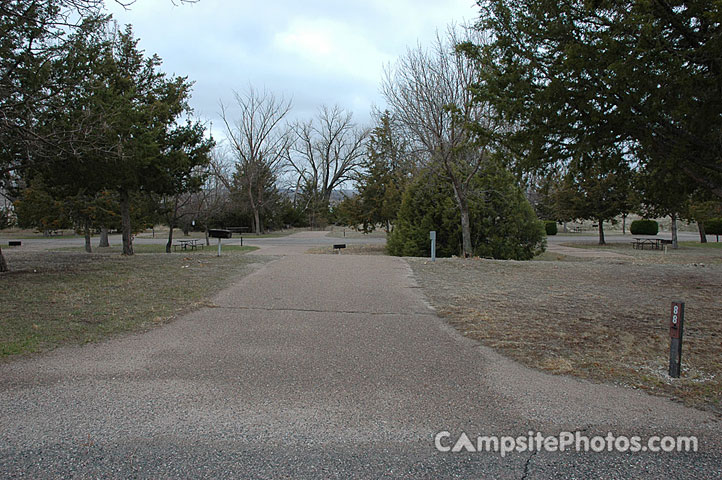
x=465, y=223
x=601, y=232
x=257, y=210
x=86, y=231
x=104, y=238
x=3, y=263
x=186, y=230
x=125, y=222
x=702, y=233
x=624, y=224
x=466, y=232
x=256, y=213
x=675, y=244
x=170, y=239
x=256, y=221
x=208, y=240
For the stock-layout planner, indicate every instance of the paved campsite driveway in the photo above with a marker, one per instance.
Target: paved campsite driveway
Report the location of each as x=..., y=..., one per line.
x=317, y=366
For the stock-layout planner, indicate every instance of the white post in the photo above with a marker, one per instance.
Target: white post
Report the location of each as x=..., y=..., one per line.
x=432, y=235
x=219, y=246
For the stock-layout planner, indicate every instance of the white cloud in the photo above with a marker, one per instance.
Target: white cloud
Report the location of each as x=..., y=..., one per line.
x=318, y=51
x=313, y=40
x=332, y=47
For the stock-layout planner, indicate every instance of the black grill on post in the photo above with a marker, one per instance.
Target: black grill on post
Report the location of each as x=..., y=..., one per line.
x=219, y=234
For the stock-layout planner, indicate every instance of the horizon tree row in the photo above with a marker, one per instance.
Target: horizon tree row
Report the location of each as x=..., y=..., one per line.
x=315, y=156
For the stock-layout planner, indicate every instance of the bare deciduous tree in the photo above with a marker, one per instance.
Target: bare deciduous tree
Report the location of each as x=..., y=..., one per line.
x=214, y=198
x=260, y=144
x=328, y=151
x=429, y=94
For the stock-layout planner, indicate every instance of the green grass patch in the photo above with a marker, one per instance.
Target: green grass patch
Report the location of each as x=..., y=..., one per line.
x=708, y=245
x=178, y=235
x=687, y=253
x=15, y=234
x=160, y=248
x=56, y=298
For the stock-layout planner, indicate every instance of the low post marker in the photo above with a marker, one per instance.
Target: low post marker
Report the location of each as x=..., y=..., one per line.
x=676, y=330
x=432, y=235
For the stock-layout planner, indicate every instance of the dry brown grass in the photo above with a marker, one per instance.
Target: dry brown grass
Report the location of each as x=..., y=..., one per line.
x=605, y=320
x=68, y=297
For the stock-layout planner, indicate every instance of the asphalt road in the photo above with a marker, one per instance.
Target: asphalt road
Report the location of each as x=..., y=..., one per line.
x=282, y=245
x=297, y=242
x=318, y=366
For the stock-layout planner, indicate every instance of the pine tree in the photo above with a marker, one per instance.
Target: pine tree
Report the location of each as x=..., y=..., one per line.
x=385, y=175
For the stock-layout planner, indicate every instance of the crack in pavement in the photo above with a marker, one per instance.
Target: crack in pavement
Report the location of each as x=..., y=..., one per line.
x=527, y=463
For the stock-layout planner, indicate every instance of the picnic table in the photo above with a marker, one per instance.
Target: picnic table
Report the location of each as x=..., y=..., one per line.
x=191, y=244
x=653, y=243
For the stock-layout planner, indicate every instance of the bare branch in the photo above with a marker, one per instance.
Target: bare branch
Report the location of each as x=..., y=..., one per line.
x=429, y=93
x=328, y=150
x=259, y=143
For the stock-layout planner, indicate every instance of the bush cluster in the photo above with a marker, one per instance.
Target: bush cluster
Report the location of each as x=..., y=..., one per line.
x=551, y=227
x=503, y=223
x=644, y=227
x=713, y=226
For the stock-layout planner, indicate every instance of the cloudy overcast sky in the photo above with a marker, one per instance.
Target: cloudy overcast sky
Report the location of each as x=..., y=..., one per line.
x=317, y=52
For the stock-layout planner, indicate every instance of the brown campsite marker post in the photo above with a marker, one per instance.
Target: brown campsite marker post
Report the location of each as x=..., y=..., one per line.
x=676, y=327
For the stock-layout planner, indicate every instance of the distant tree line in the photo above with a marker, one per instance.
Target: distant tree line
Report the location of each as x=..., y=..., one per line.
x=287, y=171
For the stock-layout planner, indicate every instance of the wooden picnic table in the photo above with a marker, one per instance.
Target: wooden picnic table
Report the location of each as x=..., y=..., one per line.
x=191, y=244
x=653, y=243
x=640, y=243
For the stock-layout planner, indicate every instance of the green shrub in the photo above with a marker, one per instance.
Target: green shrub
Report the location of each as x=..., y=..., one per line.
x=713, y=226
x=503, y=223
x=644, y=227
x=551, y=227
